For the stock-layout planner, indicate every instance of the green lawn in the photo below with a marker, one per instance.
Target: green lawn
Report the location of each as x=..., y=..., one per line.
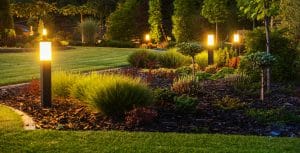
x=15, y=140
x=21, y=67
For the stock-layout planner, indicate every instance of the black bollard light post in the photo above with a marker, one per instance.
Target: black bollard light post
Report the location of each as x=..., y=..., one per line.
x=210, y=49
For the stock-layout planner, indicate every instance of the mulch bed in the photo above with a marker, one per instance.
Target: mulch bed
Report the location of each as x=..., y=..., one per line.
x=71, y=114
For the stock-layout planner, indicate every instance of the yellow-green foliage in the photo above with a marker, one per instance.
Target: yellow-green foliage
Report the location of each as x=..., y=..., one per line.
x=62, y=83
x=110, y=94
x=202, y=58
x=183, y=85
x=173, y=59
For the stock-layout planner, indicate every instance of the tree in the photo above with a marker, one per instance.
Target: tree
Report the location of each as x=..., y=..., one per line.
x=72, y=10
x=6, y=21
x=262, y=10
x=262, y=60
x=216, y=12
x=290, y=17
x=155, y=20
x=33, y=9
x=190, y=49
x=125, y=23
x=185, y=14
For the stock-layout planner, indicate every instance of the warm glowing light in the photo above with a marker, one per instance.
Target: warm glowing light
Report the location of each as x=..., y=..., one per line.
x=31, y=31
x=44, y=32
x=45, y=51
x=147, y=37
x=210, y=40
x=236, y=38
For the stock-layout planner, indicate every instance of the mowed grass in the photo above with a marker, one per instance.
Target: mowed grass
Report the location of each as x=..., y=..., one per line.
x=21, y=67
x=17, y=140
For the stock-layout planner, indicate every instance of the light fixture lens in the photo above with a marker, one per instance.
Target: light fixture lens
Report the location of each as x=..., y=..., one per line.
x=45, y=51
x=147, y=37
x=210, y=40
x=44, y=32
x=236, y=38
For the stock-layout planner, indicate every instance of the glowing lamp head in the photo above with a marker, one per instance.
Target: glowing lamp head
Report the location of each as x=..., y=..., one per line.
x=45, y=51
x=210, y=40
x=44, y=32
x=147, y=37
x=236, y=38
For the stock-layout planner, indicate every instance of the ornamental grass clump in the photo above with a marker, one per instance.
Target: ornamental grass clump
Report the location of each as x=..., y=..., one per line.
x=62, y=83
x=173, y=59
x=109, y=94
x=117, y=94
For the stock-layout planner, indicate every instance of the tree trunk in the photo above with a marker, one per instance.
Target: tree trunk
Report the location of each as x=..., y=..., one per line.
x=262, y=96
x=216, y=34
x=253, y=24
x=193, y=62
x=81, y=21
x=267, y=29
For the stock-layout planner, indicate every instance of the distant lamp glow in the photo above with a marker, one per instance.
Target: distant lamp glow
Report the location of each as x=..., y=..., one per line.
x=45, y=51
x=147, y=37
x=210, y=40
x=236, y=38
x=44, y=32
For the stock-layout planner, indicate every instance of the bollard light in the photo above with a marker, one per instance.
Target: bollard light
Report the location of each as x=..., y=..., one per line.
x=210, y=40
x=45, y=73
x=236, y=43
x=147, y=38
x=210, y=52
x=236, y=38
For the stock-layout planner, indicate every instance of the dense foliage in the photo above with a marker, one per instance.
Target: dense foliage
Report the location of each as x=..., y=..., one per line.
x=109, y=94
x=155, y=19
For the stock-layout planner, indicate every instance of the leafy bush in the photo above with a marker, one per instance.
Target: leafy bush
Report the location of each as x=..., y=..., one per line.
x=89, y=29
x=116, y=43
x=163, y=95
x=62, y=83
x=184, y=70
x=183, y=85
x=283, y=49
x=229, y=103
x=211, y=69
x=143, y=59
x=185, y=103
x=140, y=116
x=223, y=72
x=173, y=59
x=202, y=76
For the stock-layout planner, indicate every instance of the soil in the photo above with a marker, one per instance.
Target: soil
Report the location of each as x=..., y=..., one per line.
x=71, y=114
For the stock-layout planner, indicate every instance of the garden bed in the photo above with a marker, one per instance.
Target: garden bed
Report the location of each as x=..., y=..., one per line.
x=278, y=117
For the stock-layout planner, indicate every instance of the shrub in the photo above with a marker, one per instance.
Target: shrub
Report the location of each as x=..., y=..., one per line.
x=229, y=103
x=116, y=43
x=234, y=62
x=183, y=85
x=184, y=70
x=140, y=116
x=62, y=83
x=211, y=69
x=118, y=94
x=245, y=85
x=89, y=29
x=172, y=59
x=143, y=59
x=223, y=72
x=185, y=103
x=202, y=76
x=163, y=95
x=283, y=49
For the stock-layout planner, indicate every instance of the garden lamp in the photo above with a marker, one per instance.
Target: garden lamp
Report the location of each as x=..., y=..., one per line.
x=147, y=38
x=210, y=52
x=45, y=72
x=236, y=43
